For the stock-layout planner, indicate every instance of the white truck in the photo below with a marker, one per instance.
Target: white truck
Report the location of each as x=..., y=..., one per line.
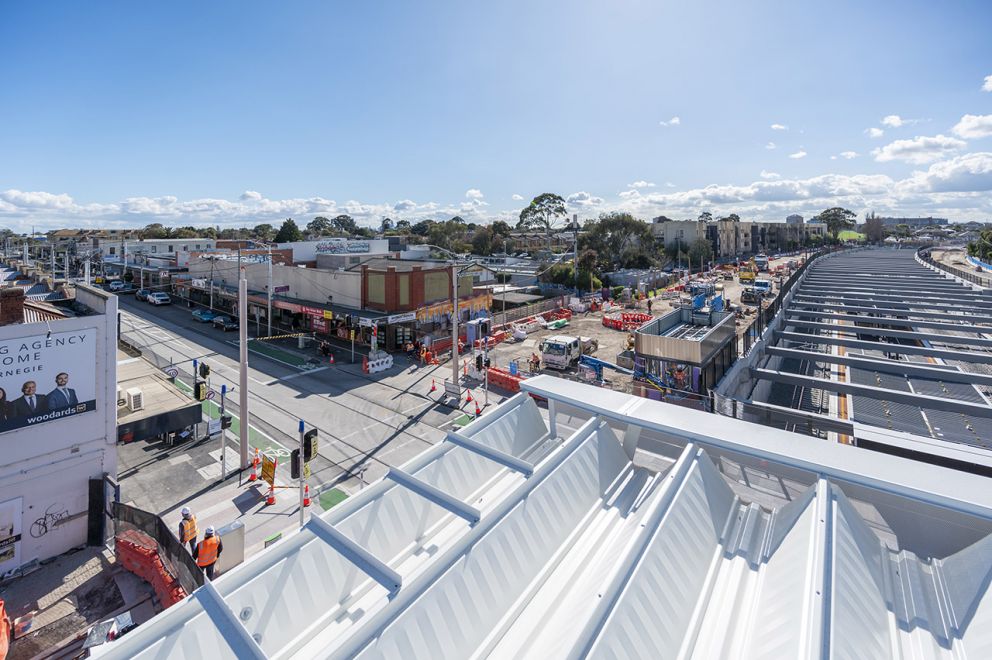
x=564, y=351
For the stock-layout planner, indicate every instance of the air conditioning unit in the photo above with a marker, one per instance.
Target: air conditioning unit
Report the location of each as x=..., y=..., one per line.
x=135, y=399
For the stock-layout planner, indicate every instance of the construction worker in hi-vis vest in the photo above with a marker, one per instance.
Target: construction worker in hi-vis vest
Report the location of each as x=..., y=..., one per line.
x=187, y=529
x=207, y=551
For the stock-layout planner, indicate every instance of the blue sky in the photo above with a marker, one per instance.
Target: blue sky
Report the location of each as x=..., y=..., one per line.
x=242, y=112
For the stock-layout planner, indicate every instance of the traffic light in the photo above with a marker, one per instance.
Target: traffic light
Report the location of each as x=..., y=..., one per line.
x=225, y=421
x=294, y=464
x=309, y=445
x=478, y=361
x=204, y=370
x=484, y=328
x=200, y=390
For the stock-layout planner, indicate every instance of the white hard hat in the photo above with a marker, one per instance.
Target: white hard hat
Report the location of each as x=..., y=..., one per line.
x=210, y=530
x=186, y=511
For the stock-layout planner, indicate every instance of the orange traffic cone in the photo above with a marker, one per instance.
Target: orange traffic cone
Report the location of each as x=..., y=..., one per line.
x=468, y=399
x=433, y=386
x=271, y=499
x=331, y=359
x=478, y=410
x=254, y=467
x=306, y=495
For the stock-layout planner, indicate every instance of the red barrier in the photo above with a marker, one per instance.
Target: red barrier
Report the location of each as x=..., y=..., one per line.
x=504, y=380
x=137, y=553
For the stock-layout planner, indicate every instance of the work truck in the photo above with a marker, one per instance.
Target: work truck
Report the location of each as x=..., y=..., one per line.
x=564, y=351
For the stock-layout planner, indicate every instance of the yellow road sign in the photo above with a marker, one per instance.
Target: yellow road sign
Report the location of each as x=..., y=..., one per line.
x=269, y=470
x=306, y=470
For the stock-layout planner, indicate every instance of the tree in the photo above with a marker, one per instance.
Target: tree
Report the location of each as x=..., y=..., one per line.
x=320, y=226
x=700, y=251
x=263, y=232
x=386, y=225
x=837, y=220
x=154, y=230
x=403, y=226
x=706, y=216
x=482, y=241
x=542, y=213
x=733, y=217
x=619, y=240
x=981, y=247
x=874, y=228
x=344, y=223
x=289, y=232
x=422, y=228
x=500, y=228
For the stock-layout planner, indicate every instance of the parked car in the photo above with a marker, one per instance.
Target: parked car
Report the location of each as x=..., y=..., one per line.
x=116, y=285
x=205, y=315
x=142, y=294
x=225, y=323
x=159, y=298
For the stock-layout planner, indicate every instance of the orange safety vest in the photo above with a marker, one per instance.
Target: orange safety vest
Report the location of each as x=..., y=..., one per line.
x=189, y=529
x=206, y=551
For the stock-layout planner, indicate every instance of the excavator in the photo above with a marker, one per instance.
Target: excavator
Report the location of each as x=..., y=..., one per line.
x=747, y=273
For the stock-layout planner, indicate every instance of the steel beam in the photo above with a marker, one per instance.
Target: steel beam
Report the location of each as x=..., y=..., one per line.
x=980, y=357
x=945, y=373
x=944, y=307
x=882, y=297
x=897, y=334
x=892, y=312
x=905, y=323
x=433, y=494
x=924, y=401
x=896, y=284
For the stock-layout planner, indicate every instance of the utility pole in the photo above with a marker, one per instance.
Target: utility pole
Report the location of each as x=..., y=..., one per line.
x=212, y=260
x=300, y=464
x=243, y=375
x=268, y=313
x=454, y=331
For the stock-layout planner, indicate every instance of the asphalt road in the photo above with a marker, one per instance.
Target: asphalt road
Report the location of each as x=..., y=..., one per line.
x=371, y=422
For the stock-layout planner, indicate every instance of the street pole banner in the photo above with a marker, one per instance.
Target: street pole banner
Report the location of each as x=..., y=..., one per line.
x=46, y=377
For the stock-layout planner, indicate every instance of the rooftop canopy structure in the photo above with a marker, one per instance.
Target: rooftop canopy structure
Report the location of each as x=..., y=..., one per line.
x=612, y=526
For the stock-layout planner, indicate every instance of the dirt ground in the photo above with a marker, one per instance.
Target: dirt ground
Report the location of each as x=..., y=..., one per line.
x=611, y=342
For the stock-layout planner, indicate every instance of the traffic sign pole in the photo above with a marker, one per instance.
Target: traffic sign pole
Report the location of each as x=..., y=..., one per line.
x=223, y=434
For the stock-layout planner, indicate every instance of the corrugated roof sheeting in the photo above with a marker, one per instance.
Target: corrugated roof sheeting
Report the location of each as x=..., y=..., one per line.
x=577, y=552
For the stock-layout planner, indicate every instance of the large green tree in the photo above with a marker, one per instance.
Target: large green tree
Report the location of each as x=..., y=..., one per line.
x=700, y=251
x=874, y=228
x=543, y=212
x=263, y=232
x=620, y=240
x=320, y=226
x=289, y=232
x=344, y=223
x=837, y=219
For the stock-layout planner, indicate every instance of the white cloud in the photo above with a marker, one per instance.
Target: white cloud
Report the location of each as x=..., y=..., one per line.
x=848, y=155
x=893, y=121
x=474, y=193
x=770, y=146
x=968, y=173
x=583, y=199
x=250, y=195
x=987, y=85
x=799, y=154
x=640, y=184
x=628, y=194
x=765, y=174
x=874, y=133
x=404, y=205
x=779, y=127
x=674, y=121
x=517, y=198
x=919, y=150
x=973, y=126
x=669, y=184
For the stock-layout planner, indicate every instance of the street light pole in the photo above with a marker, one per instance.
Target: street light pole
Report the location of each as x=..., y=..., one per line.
x=268, y=313
x=243, y=366
x=454, y=331
x=223, y=434
x=300, y=464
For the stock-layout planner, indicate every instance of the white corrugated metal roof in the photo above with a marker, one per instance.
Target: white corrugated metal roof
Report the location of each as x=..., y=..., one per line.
x=513, y=540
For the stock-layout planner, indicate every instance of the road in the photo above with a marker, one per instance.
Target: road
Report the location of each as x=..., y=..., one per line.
x=370, y=422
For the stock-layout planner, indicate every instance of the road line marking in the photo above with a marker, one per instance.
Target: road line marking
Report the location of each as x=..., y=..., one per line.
x=292, y=376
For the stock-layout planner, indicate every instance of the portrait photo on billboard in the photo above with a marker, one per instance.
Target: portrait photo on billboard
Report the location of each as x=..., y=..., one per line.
x=46, y=377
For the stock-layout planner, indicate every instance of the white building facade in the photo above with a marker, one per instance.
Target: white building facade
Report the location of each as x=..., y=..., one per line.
x=59, y=454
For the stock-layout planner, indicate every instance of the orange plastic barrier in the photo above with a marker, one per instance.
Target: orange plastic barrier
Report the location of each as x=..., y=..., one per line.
x=137, y=552
x=504, y=380
x=626, y=320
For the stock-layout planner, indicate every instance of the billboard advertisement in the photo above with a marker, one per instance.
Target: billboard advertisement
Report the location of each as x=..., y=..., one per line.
x=46, y=377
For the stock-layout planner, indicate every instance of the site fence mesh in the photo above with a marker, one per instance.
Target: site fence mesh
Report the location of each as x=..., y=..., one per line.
x=510, y=315
x=175, y=556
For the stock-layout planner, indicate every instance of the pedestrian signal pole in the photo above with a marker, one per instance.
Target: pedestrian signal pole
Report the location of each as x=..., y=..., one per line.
x=301, y=464
x=223, y=434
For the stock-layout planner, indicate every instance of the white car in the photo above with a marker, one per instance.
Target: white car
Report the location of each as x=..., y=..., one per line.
x=159, y=298
x=116, y=285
